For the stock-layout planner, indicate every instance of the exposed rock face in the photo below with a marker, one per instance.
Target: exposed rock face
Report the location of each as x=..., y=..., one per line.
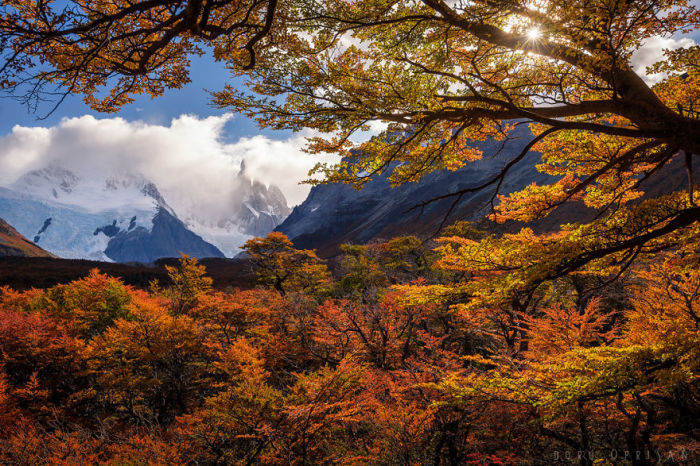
x=262, y=210
x=334, y=214
x=252, y=209
x=167, y=238
x=14, y=244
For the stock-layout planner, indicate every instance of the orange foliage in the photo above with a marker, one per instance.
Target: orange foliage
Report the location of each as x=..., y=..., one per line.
x=96, y=372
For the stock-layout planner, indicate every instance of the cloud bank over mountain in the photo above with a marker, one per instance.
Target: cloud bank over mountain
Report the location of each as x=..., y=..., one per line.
x=189, y=160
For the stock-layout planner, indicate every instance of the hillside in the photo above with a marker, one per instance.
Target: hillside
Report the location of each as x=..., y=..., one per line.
x=14, y=244
x=334, y=214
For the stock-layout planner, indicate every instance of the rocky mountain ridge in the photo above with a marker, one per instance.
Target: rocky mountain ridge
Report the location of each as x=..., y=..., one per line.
x=336, y=213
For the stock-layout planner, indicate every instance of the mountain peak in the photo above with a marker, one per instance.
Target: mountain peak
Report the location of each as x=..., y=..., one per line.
x=53, y=178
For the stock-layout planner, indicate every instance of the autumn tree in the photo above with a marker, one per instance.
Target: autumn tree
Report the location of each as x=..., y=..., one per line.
x=189, y=283
x=381, y=334
x=440, y=77
x=151, y=367
x=362, y=273
x=240, y=422
x=110, y=51
x=92, y=303
x=279, y=264
x=510, y=349
x=665, y=317
x=591, y=382
x=42, y=364
x=237, y=314
x=367, y=270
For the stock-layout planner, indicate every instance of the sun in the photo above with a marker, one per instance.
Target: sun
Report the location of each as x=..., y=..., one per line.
x=533, y=33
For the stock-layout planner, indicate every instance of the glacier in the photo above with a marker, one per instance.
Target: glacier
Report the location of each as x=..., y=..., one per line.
x=124, y=217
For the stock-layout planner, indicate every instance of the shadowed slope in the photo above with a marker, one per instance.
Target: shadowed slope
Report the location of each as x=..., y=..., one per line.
x=14, y=244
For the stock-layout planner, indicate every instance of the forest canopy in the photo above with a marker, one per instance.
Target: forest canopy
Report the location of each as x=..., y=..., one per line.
x=351, y=369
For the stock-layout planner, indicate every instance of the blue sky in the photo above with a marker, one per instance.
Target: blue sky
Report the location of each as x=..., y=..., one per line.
x=205, y=73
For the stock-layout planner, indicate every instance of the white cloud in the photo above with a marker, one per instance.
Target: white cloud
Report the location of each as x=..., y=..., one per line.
x=188, y=160
x=375, y=128
x=652, y=51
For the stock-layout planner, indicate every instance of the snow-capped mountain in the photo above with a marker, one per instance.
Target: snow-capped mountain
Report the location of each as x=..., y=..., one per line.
x=252, y=209
x=124, y=217
x=115, y=191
